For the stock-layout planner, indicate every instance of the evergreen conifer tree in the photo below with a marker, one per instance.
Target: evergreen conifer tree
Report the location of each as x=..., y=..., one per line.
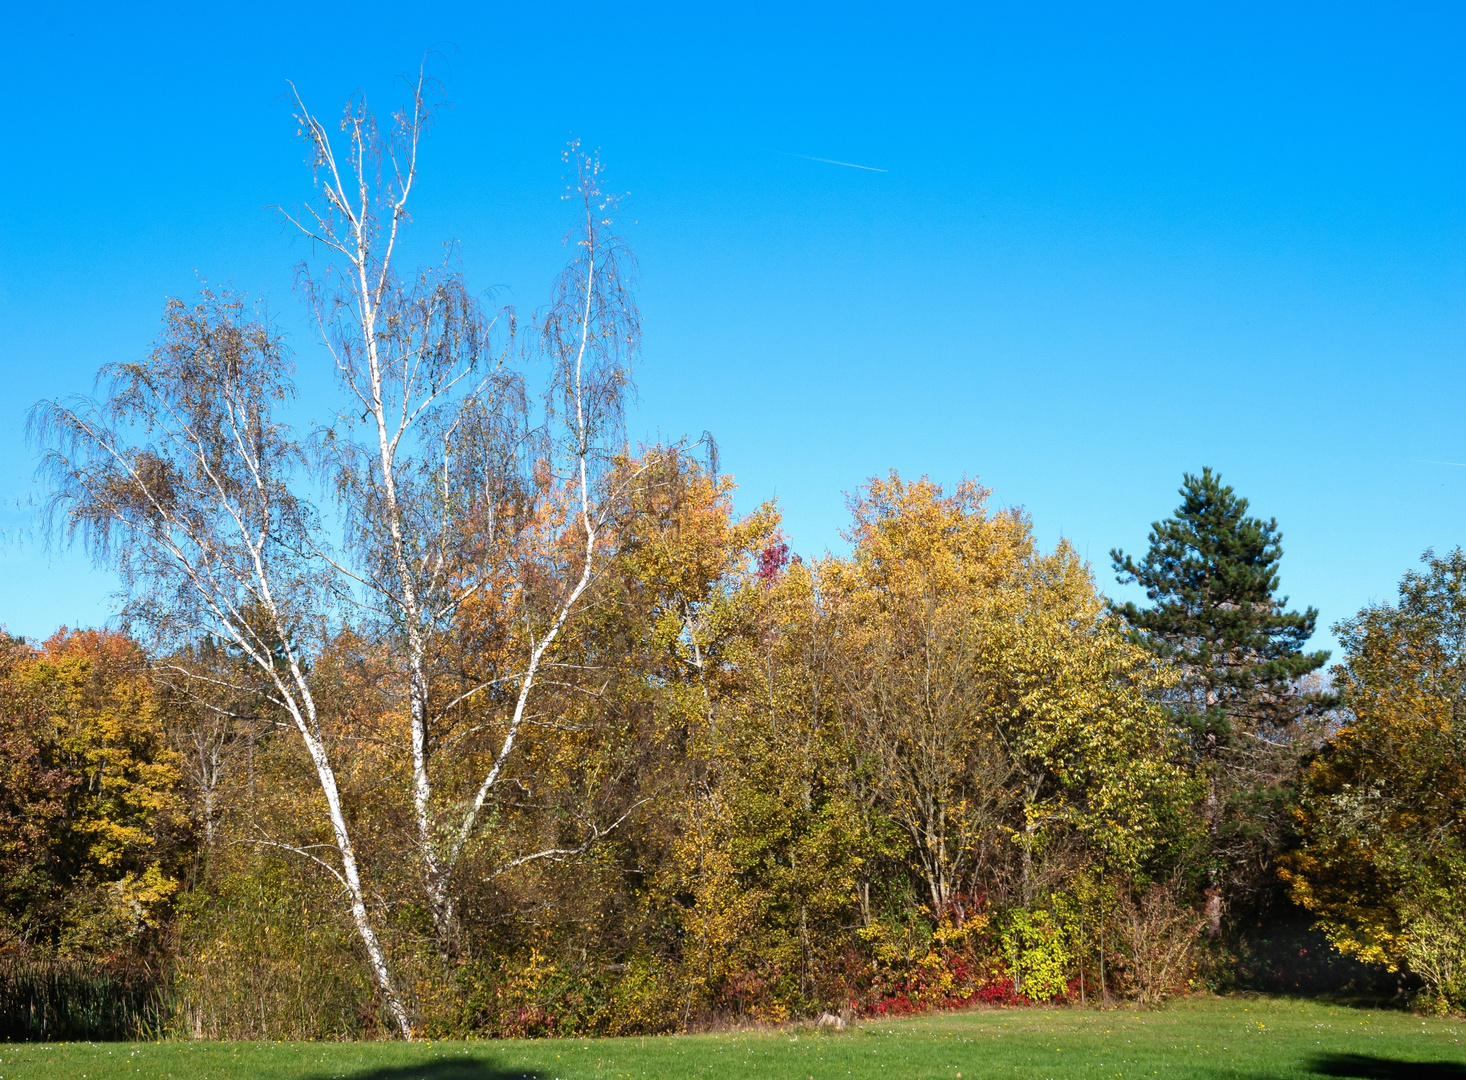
x=1243, y=703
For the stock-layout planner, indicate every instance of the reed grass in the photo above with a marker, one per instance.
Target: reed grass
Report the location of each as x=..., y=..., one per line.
x=69, y=1000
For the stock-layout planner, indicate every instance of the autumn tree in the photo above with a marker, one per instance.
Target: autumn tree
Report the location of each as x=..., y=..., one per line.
x=448, y=496
x=780, y=851
x=604, y=869
x=1382, y=864
x=1243, y=703
x=93, y=815
x=1005, y=713
x=588, y=336
x=32, y=793
x=920, y=595
x=217, y=709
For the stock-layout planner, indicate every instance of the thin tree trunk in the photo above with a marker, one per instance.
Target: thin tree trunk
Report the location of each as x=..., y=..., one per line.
x=1214, y=889
x=351, y=878
x=1081, y=960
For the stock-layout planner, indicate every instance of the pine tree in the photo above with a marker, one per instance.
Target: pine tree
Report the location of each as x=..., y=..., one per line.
x=1243, y=703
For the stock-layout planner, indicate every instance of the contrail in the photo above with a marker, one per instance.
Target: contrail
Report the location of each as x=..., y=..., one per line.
x=1430, y=461
x=832, y=161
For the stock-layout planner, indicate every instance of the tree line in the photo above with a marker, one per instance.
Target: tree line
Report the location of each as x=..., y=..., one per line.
x=454, y=713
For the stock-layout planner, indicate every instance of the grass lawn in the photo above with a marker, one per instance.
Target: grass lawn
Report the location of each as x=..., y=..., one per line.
x=1257, y=1039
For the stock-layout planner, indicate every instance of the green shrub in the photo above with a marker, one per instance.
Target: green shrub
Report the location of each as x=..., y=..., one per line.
x=1037, y=952
x=1435, y=950
x=262, y=956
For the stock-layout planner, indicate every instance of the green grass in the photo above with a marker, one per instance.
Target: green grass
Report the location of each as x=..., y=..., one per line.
x=1260, y=1039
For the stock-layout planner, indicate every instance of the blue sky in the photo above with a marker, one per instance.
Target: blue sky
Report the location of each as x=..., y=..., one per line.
x=1110, y=243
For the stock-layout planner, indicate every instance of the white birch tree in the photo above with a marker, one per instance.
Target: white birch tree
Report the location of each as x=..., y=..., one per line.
x=424, y=458
x=181, y=478
x=435, y=468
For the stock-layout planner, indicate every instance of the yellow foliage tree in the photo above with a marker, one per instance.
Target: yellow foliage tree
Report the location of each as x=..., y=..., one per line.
x=102, y=867
x=1383, y=860
x=1000, y=705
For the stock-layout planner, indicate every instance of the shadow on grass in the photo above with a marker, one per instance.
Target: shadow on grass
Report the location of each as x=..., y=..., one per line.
x=1369, y=1067
x=462, y=1069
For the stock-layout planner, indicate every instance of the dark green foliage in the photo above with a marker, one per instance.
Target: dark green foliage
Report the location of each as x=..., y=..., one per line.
x=1211, y=575
x=55, y=1000
x=1286, y=953
x=1244, y=705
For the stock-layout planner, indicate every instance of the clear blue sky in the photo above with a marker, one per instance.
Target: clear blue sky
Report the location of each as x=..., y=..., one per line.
x=1111, y=243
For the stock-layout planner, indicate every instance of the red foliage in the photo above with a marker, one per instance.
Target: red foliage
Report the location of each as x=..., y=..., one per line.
x=772, y=561
x=970, y=971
